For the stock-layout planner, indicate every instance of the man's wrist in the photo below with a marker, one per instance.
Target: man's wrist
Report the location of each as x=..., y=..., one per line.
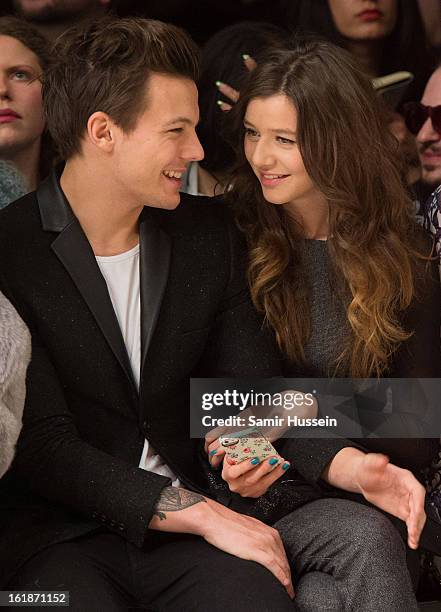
x=181, y=511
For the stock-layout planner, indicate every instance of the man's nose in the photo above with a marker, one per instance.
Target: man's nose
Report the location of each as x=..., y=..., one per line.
x=427, y=132
x=193, y=150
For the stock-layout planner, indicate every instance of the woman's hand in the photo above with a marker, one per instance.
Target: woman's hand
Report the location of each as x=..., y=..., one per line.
x=252, y=478
x=308, y=410
x=394, y=490
x=383, y=484
x=213, y=447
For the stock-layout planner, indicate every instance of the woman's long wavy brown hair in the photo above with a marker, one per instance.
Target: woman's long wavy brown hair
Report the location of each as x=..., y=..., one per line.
x=354, y=161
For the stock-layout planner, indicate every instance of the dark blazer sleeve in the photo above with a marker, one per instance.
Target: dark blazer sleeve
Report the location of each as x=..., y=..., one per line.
x=58, y=465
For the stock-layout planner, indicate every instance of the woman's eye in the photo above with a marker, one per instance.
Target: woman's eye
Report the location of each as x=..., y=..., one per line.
x=285, y=140
x=251, y=133
x=21, y=75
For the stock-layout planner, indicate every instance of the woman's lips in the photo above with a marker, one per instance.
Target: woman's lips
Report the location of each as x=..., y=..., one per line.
x=431, y=155
x=372, y=15
x=7, y=115
x=272, y=179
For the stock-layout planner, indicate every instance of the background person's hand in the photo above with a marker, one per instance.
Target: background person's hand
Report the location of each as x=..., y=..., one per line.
x=228, y=91
x=252, y=478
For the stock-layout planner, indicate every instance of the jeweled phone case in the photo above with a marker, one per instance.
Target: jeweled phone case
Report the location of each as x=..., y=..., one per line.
x=247, y=445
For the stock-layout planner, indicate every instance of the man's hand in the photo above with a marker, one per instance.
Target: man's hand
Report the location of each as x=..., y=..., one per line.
x=383, y=484
x=248, y=538
x=182, y=511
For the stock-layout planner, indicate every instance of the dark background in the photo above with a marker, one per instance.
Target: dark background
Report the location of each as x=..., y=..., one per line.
x=201, y=18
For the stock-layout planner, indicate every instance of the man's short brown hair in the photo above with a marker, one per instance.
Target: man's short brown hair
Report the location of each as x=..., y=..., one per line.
x=105, y=67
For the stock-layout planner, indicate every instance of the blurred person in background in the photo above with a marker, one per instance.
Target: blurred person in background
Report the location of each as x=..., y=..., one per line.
x=424, y=121
x=24, y=55
x=431, y=15
x=52, y=17
x=384, y=35
x=222, y=62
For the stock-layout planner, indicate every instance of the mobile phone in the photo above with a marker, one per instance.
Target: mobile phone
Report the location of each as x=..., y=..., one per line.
x=247, y=444
x=393, y=86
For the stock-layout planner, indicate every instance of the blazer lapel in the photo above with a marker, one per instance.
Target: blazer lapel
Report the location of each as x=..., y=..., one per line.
x=75, y=253
x=155, y=252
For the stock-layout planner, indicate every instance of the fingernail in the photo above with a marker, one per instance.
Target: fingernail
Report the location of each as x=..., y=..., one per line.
x=255, y=461
x=245, y=57
x=218, y=83
x=285, y=466
x=273, y=461
x=219, y=102
x=213, y=452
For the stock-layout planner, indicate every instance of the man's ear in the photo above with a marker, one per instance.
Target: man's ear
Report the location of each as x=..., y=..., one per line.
x=101, y=131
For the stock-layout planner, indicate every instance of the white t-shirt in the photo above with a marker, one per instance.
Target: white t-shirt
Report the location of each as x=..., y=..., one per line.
x=121, y=273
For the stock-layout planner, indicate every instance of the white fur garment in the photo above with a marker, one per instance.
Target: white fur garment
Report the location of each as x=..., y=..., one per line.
x=15, y=352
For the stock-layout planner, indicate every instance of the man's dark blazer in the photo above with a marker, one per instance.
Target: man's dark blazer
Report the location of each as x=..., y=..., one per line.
x=76, y=468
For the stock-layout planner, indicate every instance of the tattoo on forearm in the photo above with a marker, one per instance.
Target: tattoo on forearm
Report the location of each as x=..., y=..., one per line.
x=173, y=499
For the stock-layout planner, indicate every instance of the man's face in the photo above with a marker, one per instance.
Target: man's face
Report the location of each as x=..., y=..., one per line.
x=42, y=10
x=428, y=139
x=149, y=161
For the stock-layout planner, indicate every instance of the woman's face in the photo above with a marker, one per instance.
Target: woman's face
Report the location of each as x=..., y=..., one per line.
x=21, y=113
x=272, y=152
x=364, y=19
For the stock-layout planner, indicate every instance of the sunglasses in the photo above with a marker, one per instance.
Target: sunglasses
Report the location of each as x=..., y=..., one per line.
x=416, y=115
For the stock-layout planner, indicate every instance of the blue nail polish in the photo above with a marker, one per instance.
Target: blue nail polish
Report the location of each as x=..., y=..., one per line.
x=285, y=466
x=213, y=452
x=273, y=461
x=255, y=461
